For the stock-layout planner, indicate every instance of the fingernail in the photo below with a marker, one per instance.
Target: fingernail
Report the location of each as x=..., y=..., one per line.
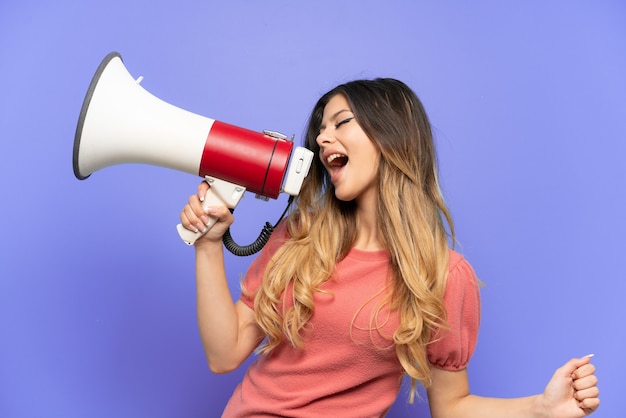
x=590, y=355
x=200, y=226
x=205, y=219
x=210, y=210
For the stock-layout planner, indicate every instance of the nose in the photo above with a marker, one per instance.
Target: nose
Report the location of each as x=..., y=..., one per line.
x=324, y=137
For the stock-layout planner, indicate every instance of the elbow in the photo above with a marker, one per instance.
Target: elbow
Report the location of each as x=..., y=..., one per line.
x=222, y=367
x=219, y=369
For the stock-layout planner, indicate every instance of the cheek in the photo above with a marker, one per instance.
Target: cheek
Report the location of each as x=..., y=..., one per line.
x=375, y=161
x=369, y=173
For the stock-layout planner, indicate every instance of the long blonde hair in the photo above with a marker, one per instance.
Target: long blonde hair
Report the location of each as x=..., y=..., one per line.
x=411, y=213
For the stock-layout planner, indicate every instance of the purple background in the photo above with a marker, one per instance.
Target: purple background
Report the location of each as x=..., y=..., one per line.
x=97, y=297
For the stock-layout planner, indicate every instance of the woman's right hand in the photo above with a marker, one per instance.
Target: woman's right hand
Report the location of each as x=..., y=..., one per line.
x=195, y=217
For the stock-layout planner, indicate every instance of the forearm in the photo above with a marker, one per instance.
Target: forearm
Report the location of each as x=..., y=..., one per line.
x=218, y=319
x=472, y=406
x=571, y=393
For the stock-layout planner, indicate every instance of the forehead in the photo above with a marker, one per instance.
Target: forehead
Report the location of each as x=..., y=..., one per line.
x=335, y=106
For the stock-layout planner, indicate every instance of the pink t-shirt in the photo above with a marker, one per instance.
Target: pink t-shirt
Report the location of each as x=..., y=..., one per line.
x=348, y=366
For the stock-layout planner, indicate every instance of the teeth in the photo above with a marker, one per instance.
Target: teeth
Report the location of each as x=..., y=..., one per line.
x=332, y=158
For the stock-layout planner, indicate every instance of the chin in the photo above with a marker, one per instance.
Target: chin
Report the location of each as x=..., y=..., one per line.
x=343, y=197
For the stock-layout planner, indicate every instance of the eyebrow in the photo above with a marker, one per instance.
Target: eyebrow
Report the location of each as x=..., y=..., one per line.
x=334, y=116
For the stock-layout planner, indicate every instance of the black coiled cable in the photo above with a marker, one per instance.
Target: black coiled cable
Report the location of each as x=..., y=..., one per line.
x=258, y=244
x=246, y=250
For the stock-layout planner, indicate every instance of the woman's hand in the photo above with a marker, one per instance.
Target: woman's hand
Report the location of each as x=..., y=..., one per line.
x=195, y=218
x=573, y=390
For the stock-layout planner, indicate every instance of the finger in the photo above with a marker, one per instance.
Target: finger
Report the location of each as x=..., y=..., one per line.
x=191, y=220
x=192, y=223
x=196, y=204
x=579, y=362
x=221, y=213
x=199, y=211
x=589, y=393
x=572, y=365
x=184, y=220
x=203, y=187
x=589, y=404
x=585, y=382
x=221, y=219
x=584, y=370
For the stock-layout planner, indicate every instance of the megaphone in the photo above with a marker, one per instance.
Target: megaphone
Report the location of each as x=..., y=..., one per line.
x=120, y=122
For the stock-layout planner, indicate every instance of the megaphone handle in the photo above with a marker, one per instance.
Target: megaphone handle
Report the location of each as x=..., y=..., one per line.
x=221, y=193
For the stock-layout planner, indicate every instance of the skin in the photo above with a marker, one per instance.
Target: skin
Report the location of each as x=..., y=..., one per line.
x=341, y=133
x=230, y=334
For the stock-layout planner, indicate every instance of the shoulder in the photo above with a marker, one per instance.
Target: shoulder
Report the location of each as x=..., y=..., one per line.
x=452, y=348
x=460, y=273
x=457, y=261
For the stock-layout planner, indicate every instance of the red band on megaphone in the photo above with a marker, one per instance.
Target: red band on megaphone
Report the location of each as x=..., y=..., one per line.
x=251, y=159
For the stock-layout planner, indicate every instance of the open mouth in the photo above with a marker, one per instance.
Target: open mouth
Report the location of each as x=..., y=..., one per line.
x=337, y=160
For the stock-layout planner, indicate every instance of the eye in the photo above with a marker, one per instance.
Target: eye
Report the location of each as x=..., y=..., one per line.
x=343, y=122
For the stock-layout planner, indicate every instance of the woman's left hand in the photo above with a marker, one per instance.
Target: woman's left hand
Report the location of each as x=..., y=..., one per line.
x=573, y=390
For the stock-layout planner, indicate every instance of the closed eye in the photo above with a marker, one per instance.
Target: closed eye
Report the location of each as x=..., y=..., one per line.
x=343, y=122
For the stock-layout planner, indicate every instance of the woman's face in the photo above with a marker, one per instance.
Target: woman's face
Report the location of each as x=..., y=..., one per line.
x=347, y=153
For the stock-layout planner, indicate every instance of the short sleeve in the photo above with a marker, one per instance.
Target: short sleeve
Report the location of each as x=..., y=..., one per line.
x=452, y=349
x=254, y=275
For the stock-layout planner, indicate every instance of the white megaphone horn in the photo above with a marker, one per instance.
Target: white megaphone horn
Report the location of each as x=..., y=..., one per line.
x=120, y=122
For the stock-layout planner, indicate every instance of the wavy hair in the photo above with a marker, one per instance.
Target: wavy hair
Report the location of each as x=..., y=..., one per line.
x=412, y=223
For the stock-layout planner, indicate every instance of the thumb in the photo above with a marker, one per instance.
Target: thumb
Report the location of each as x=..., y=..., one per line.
x=570, y=367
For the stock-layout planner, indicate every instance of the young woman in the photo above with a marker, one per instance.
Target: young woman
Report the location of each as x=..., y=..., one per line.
x=358, y=286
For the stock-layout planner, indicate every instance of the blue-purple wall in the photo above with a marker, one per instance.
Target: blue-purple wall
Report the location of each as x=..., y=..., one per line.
x=528, y=102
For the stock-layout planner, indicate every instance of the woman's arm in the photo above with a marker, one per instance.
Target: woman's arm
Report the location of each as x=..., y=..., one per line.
x=571, y=393
x=228, y=330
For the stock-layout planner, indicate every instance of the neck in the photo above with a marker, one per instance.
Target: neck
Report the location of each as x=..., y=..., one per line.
x=367, y=223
